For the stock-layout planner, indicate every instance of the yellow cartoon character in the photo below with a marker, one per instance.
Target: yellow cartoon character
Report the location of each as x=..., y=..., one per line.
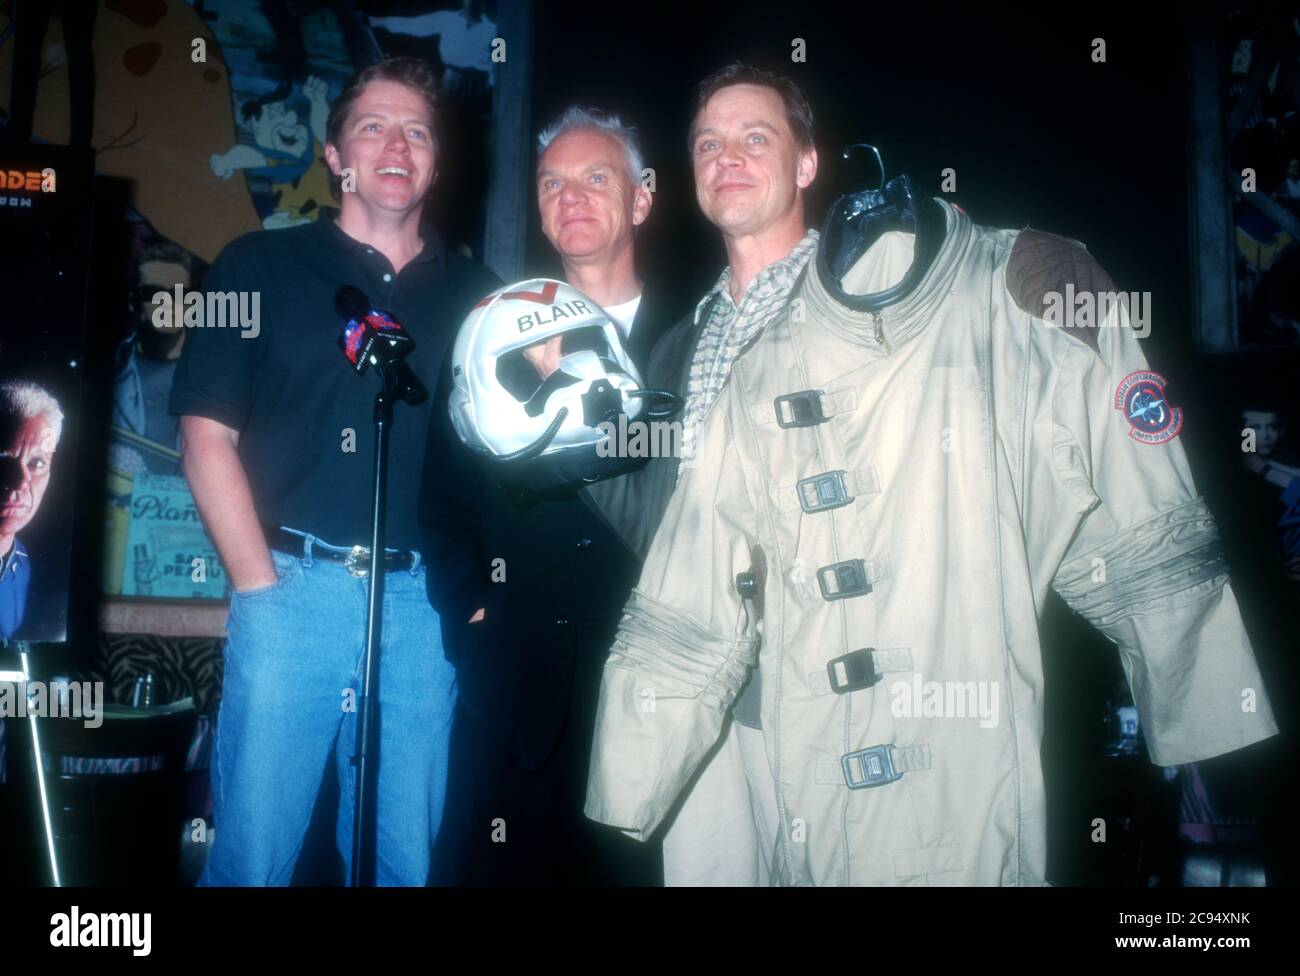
x=285, y=151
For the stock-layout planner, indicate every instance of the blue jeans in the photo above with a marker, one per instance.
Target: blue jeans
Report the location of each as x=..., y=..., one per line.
x=294, y=651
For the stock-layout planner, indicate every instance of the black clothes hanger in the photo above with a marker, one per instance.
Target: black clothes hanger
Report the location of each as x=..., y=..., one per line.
x=857, y=220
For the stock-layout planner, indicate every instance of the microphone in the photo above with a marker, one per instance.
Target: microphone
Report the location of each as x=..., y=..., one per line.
x=372, y=337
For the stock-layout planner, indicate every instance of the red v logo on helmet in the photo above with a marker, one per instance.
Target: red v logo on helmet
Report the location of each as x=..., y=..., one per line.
x=544, y=297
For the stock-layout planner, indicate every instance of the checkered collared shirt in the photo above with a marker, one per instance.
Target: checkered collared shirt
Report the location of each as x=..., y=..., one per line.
x=731, y=329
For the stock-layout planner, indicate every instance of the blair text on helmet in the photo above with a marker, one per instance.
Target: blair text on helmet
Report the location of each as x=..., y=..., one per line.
x=552, y=313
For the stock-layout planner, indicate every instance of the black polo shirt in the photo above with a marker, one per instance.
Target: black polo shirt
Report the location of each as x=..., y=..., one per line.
x=291, y=393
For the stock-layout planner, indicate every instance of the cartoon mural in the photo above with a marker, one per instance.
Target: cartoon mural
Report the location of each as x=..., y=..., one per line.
x=214, y=111
x=188, y=96
x=286, y=62
x=158, y=116
x=287, y=153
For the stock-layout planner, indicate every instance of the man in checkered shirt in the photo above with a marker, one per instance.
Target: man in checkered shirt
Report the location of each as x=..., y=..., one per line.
x=751, y=147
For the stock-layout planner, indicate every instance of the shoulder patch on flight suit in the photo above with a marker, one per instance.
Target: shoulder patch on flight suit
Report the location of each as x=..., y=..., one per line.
x=1043, y=265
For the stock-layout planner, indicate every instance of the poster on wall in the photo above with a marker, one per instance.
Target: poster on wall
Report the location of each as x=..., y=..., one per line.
x=167, y=553
x=45, y=217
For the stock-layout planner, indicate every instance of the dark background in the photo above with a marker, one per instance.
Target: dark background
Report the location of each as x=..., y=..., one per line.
x=1037, y=133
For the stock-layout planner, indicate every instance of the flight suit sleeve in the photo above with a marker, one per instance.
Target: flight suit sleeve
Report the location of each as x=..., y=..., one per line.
x=1146, y=566
x=684, y=647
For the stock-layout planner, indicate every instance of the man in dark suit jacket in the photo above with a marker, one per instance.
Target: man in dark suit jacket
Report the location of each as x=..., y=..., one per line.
x=531, y=587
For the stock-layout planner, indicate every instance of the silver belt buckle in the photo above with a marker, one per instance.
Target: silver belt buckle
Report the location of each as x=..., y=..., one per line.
x=358, y=562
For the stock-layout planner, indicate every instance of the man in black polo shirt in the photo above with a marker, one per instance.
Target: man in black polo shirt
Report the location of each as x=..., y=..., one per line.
x=278, y=446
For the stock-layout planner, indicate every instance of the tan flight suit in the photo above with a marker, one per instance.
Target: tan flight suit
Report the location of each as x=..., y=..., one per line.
x=982, y=459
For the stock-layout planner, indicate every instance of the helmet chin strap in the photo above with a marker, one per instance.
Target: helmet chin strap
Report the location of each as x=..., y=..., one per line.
x=558, y=380
x=536, y=448
x=660, y=404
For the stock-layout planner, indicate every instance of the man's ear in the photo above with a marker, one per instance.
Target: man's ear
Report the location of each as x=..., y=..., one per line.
x=332, y=159
x=807, y=170
x=642, y=201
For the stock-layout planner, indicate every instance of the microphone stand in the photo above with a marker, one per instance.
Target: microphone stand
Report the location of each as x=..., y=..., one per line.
x=398, y=384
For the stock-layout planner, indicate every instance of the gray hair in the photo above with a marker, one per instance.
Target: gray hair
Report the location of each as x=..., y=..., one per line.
x=24, y=400
x=577, y=117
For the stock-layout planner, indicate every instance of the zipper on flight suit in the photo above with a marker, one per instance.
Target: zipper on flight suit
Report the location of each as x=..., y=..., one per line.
x=880, y=330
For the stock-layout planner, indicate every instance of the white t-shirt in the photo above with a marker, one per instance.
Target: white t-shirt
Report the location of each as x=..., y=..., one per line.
x=623, y=316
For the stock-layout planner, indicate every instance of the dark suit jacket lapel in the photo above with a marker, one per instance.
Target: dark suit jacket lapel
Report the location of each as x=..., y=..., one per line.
x=648, y=325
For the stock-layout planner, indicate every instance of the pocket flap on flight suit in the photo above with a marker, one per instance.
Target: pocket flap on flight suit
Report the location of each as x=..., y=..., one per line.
x=927, y=860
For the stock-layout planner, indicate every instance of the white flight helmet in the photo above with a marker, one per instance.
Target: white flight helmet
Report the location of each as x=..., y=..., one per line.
x=544, y=432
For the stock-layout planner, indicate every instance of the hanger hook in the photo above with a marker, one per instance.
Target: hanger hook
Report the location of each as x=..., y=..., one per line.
x=848, y=154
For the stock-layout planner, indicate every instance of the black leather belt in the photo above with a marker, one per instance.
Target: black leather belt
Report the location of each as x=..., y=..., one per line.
x=356, y=559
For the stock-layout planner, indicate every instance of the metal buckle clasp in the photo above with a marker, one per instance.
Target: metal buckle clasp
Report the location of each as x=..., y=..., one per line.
x=858, y=670
x=805, y=409
x=869, y=767
x=358, y=562
x=839, y=581
x=822, y=492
